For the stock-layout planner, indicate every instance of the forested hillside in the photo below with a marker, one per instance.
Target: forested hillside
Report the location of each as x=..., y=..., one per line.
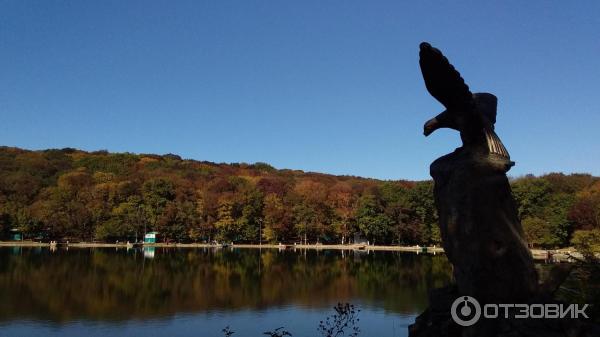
x=69, y=193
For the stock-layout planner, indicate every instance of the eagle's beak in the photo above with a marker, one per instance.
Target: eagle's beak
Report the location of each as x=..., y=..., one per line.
x=430, y=126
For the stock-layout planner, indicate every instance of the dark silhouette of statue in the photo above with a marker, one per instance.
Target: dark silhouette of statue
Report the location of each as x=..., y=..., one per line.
x=481, y=232
x=480, y=228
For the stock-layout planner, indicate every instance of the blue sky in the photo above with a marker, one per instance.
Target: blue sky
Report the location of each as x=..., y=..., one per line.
x=327, y=86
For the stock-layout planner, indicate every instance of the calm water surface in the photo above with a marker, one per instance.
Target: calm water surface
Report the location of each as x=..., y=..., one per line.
x=197, y=292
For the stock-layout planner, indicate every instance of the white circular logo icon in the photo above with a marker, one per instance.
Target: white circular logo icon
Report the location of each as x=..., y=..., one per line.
x=465, y=311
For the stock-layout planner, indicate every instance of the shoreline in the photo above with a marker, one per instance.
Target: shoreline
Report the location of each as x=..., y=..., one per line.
x=559, y=255
x=206, y=245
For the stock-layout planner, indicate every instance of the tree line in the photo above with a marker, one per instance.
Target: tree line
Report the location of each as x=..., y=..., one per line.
x=102, y=196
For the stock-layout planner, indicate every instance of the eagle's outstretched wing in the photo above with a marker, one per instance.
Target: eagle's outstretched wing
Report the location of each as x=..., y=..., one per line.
x=443, y=81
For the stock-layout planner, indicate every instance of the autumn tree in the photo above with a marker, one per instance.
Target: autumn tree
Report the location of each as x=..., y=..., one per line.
x=585, y=212
x=156, y=195
x=343, y=203
x=277, y=218
x=175, y=221
x=126, y=221
x=203, y=226
x=68, y=193
x=226, y=226
x=311, y=213
x=63, y=207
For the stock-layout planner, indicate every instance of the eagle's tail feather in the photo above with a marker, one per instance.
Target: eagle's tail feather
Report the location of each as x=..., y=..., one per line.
x=495, y=145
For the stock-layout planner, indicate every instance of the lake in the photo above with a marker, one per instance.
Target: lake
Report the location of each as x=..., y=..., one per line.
x=198, y=292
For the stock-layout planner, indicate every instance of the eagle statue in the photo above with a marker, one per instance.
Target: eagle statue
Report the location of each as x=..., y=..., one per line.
x=473, y=115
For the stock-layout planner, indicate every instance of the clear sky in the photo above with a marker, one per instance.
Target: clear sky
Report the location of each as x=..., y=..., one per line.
x=327, y=86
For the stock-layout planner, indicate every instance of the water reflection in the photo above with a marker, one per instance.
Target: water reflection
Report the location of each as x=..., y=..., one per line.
x=124, y=284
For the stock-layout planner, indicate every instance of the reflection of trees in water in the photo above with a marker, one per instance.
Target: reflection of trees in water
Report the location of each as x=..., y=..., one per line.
x=110, y=284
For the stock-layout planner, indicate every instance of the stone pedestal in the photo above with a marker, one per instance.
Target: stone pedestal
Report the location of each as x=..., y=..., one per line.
x=480, y=228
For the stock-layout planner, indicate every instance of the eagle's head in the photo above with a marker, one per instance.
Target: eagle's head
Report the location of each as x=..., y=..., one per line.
x=482, y=103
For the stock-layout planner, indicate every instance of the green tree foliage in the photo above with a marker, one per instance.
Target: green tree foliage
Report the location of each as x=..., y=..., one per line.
x=423, y=204
x=371, y=219
x=251, y=217
x=305, y=220
x=587, y=242
x=79, y=195
x=531, y=195
x=539, y=232
x=553, y=206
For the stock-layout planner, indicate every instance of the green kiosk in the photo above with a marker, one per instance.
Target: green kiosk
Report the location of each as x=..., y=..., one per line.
x=151, y=237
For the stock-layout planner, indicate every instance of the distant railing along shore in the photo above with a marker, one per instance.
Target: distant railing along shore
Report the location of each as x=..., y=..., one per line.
x=555, y=255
